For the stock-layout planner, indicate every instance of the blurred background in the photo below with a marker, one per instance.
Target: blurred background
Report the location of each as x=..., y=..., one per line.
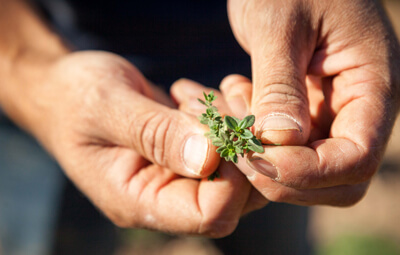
x=370, y=227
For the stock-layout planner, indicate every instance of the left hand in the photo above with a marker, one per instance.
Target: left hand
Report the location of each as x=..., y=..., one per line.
x=102, y=121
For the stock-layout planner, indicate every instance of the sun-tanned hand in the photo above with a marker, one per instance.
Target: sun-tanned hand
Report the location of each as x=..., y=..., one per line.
x=325, y=85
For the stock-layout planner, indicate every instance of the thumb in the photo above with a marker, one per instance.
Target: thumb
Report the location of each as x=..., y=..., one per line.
x=279, y=98
x=279, y=102
x=165, y=136
x=280, y=40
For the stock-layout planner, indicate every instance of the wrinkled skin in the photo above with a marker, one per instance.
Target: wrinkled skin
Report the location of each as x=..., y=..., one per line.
x=324, y=87
x=100, y=118
x=328, y=70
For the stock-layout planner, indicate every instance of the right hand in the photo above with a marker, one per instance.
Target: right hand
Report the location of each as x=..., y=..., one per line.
x=325, y=85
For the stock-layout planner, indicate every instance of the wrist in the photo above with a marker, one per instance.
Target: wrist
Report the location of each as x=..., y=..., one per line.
x=27, y=49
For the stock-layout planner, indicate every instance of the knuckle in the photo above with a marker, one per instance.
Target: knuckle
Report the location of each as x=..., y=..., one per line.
x=283, y=88
x=151, y=133
x=289, y=96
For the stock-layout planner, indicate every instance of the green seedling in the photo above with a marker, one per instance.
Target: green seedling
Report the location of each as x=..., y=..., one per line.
x=230, y=134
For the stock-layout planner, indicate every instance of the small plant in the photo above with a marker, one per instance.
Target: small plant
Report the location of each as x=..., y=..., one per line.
x=230, y=134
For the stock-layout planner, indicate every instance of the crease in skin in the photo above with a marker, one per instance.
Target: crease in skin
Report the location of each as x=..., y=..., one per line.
x=199, y=208
x=161, y=143
x=150, y=136
x=137, y=185
x=140, y=185
x=167, y=180
x=142, y=131
x=154, y=135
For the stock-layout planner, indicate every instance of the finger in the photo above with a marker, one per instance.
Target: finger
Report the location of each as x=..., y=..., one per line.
x=165, y=136
x=157, y=199
x=326, y=163
x=279, y=57
x=358, y=134
x=187, y=92
x=279, y=99
x=237, y=91
x=342, y=195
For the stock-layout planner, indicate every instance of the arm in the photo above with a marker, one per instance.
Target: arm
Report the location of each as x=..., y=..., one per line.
x=27, y=47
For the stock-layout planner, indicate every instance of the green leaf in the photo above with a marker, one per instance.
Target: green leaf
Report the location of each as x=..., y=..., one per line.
x=255, y=145
x=209, y=112
x=217, y=142
x=205, y=96
x=237, y=119
x=223, y=135
x=218, y=119
x=203, y=120
x=238, y=142
x=247, y=134
x=213, y=176
x=234, y=158
x=220, y=149
x=239, y=149
x=211, y=96
x=209, y=134
x=230, y=122
x=225, y=153
x=201, y=101
x=230, y=135
x=247, y=122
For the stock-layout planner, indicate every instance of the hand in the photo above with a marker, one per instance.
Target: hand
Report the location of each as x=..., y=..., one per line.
x=126, y=152
x=325, y=86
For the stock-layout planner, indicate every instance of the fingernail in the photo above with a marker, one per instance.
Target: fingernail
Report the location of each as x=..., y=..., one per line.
x=263, y=167
x=195, y=153
x=279, y=122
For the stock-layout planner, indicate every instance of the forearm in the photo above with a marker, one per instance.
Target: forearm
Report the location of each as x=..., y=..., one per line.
x=27, y=47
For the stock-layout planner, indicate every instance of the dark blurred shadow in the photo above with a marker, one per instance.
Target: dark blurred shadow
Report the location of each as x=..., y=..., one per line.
x=81, y=228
